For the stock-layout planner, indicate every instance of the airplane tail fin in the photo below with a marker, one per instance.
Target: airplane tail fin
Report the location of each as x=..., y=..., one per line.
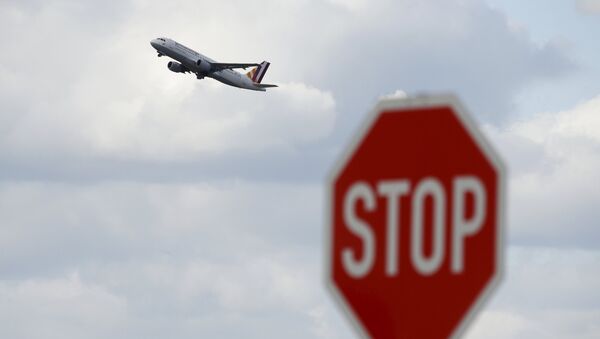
x=257, y=73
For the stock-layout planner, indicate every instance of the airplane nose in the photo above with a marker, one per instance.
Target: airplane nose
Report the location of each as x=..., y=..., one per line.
x=153, y=43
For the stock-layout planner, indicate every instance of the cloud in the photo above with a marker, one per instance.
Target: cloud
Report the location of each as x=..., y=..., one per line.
x=224, y=260
x=589, y=6
x=432, y=46
x=126, y=114
x=112, y=99
x=397, y=94
x=156, y=299
x=547, y=292
x=221, y=259
x=63, y=307
x=207, y=121
x=91, y=224
x=136, y=202
x=554, y=161
x=351, y=5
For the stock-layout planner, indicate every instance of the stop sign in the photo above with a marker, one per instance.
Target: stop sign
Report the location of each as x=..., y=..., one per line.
x=415, y=221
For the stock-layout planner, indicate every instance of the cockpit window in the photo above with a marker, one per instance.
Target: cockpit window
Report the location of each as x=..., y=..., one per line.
x=162, y=39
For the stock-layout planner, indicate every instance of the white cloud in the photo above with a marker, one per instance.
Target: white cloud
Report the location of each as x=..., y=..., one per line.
x=397, y=94
x=111, y=98
x=64, y=307
x=554, y=189
x=127, y=114
x=547, y=293
x=207, y=121
x=121, y=221
x=352, y=5
x=544, y=324
x=162, y=255
x=226, y=259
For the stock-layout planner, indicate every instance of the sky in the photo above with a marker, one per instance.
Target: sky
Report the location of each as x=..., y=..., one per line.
x=140, y=203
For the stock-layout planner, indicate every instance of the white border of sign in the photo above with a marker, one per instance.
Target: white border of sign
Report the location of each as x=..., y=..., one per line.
x=471, y=126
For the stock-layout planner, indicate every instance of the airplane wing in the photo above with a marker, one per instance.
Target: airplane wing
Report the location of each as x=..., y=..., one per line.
x=219, y=66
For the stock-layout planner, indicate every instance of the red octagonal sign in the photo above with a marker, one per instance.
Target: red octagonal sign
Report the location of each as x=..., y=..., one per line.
x=415, y=221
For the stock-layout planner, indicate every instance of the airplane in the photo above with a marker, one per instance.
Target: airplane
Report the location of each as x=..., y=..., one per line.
x=202, y=66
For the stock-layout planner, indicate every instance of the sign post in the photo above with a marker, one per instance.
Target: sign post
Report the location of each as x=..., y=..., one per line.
x=415, y=221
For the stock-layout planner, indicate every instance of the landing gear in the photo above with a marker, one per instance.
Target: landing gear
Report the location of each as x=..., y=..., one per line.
x=199, y=76
x=159, y=55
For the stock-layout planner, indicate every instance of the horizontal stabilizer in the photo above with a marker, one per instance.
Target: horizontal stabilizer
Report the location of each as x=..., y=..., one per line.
x=265, y=85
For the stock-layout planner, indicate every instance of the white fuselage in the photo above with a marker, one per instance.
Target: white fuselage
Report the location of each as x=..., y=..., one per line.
x=193, y=60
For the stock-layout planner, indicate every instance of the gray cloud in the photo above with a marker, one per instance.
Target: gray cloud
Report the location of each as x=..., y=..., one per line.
x=225, y=259
x=589, y=6
x=546, y=293
x=430, y=46
x=110, y=105
x=135, y=202
x=108, y=222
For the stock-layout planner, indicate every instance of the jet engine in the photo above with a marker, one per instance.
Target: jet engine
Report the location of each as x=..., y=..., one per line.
x=203, y=66
x=176, y=67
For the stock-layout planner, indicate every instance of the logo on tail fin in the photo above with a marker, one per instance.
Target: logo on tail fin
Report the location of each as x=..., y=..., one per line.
x=257, y=74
